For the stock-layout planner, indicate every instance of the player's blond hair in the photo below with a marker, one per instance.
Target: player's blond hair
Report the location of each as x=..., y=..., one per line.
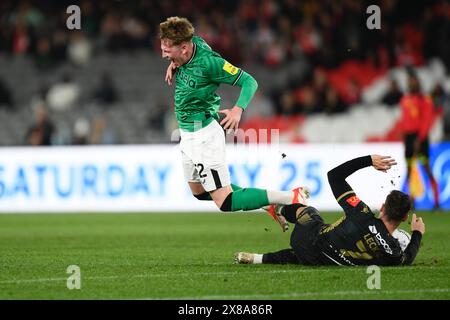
x=176, y=29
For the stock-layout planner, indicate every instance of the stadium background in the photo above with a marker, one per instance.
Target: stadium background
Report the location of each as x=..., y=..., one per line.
x=324, y=77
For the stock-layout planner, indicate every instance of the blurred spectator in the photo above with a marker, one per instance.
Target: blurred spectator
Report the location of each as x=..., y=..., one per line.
x=308, y=36
x=111, y=31
x=63, y=95
x=59, y=46
x=320, y=86
x=333, y=104
x=21, y=39
x=91, y=18
x=263, y=39
x=106, y=93
x=275, y=54
x=440, y=97
x=43, y=56
x=309, y=101
x=81, y=131
x=287, y=104
x=40, y=97
x=27, y=14
x=63, y=134
x=41, y=132
x=353, y=92
x=393, y=96
x=136, y=31
x=101, y=133
x=79, y=49
x=205, y=30
x=417, y=119
x=6, y=99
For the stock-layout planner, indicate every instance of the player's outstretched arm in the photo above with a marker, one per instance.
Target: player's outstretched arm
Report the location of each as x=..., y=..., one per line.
x=337, y=176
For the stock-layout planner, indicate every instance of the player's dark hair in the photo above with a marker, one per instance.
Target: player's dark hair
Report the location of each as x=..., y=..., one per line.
x=177, y=29
x=397, y=206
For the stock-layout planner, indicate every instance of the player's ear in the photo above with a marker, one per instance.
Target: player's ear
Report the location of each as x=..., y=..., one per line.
x=184, y=47
x=382, y=209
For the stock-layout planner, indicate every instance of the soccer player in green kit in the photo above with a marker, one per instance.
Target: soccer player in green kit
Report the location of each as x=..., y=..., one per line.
x=198, y=71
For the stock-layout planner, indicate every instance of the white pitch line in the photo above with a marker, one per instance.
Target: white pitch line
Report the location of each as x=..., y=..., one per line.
x=190, y=274
x=157, y=275
x=300, y=294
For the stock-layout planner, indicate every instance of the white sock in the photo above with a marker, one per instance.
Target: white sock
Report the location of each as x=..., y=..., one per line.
x=280, y=197
x=257, y=258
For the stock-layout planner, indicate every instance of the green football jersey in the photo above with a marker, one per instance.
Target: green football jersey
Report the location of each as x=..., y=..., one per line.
x=196, y=101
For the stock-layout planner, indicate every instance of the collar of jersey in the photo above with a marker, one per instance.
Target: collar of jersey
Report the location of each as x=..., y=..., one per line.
x=193, y=54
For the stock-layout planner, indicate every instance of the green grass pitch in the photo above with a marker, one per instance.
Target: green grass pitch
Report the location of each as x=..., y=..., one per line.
x=190, y=256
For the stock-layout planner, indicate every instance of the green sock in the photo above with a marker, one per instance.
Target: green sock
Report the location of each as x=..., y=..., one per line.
x=249, y=199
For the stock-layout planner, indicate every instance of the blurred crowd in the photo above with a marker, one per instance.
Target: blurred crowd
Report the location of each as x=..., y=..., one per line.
x=268, y=33
x=263, y=31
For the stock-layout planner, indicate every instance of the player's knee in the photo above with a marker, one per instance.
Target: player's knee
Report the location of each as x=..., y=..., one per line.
x=306, y=214
x=300, y=210
x=227, y=203
x=203, y=196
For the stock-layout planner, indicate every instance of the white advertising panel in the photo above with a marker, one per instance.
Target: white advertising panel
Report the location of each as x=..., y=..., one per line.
x=150, y=178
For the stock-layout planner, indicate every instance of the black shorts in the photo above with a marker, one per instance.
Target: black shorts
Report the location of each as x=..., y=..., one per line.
x=305, y=234
x=409, y=140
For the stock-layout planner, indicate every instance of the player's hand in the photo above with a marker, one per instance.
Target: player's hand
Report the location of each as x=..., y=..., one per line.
x=169, y=73
x=417, y=224
x=382, y=163
x=232, y=118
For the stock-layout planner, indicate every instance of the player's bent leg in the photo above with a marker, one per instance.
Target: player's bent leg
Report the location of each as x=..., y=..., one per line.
x=286, y=256
x=198, y=191
x=252, y=198
x=221, y=197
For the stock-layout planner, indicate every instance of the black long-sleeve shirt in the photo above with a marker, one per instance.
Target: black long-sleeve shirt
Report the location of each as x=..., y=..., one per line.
x=359, y=238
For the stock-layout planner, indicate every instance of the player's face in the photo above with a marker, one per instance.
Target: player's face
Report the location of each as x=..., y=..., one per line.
x=171, y=52
x=414, y=84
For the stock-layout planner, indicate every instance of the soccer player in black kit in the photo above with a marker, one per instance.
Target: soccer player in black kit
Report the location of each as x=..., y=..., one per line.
x=357, y=238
